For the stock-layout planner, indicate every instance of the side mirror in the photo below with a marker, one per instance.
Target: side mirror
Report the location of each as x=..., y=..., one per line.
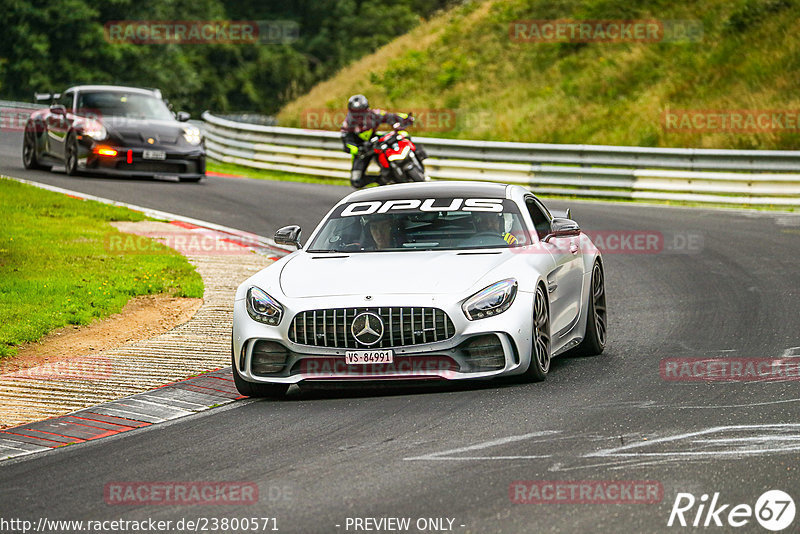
x=58, y=109
x=562, y=227
x=289, y=235
x=564, y=214
x=183, y=116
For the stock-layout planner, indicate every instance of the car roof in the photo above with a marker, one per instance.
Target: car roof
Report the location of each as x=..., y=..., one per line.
x=426, y=189
x=110, y=88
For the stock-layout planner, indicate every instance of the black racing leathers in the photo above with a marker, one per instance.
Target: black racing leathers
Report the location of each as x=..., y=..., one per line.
x=357, y=129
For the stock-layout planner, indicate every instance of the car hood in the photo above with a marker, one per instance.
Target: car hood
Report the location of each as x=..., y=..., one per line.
x=381, y=273
x=140, y=130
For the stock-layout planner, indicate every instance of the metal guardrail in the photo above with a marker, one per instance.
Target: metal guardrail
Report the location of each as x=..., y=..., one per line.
x=13, y=115
x=21, y=105
x=757, y=177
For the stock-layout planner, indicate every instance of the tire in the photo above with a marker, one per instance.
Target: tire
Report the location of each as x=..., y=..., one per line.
x=417, y=172
x=541, y=352
x=71, y=155
x=252, y=389
x=29, y=158
x=191, y=180
x=596, y=320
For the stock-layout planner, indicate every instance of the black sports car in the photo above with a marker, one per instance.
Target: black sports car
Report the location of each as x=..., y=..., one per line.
x=113, y=130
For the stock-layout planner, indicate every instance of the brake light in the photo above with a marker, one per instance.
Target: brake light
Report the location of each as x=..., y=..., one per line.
x=105, y=151
x=130, y=156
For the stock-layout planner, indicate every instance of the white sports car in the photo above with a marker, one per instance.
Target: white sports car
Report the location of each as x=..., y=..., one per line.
x=446, y=280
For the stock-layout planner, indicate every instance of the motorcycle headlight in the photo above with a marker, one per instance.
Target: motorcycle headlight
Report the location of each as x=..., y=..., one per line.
x=263, y=308
x=95, y=130
x=490, y=301
x=192, y=135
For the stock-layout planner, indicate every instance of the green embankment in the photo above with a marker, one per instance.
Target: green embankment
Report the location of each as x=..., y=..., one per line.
x=464, y=62
x=58, y=265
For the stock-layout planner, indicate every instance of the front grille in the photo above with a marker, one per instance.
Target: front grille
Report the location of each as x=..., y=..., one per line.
x=402, y=327
x=153, y=166
x=136, y=138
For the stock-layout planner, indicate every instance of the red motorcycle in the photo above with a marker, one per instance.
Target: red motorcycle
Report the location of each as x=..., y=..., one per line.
x=399, y=158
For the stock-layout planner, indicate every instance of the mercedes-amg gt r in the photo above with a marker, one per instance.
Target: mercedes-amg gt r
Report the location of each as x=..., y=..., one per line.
x=445, y=280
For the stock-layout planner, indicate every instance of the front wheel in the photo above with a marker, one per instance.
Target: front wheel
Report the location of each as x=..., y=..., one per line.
x=415, y=170
x=540, y=354
x=71, y=155
x=596, y=320
x=253, y=389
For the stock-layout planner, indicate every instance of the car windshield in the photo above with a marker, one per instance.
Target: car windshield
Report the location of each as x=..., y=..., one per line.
x=422, y=224
x=122, y=104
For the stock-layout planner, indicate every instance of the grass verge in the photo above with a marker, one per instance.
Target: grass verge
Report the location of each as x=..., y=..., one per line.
x=250, y=172
x=464, y=70
x=57, y=269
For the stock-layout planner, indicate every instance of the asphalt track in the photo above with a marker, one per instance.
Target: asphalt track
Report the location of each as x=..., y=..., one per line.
x=453, y=451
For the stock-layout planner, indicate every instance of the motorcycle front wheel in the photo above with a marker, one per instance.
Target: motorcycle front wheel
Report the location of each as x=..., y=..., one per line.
x=415, y=171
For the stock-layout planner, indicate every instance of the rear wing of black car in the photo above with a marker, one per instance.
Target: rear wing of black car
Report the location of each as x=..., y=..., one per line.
x=46, y=98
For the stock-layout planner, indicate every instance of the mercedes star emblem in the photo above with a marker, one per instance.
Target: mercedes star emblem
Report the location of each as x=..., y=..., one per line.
x=367, y=328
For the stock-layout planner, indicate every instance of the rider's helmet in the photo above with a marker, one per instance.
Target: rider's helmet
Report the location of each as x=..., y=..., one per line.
x=358, y=103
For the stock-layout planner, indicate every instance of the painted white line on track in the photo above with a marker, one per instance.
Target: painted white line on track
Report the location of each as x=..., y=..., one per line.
x=448, y=454
x=765, y=434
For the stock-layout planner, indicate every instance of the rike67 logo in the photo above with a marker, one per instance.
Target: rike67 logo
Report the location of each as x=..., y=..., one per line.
x=774, y=510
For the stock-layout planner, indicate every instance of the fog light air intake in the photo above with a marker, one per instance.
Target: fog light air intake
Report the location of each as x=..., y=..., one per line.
x=268, y=358
x=484, y=353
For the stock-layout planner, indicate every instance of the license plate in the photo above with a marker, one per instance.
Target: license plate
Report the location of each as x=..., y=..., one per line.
x=154, y=154
x=364, y=357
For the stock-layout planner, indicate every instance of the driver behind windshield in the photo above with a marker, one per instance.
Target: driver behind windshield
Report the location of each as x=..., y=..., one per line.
x=494, y=223
x=382, y=230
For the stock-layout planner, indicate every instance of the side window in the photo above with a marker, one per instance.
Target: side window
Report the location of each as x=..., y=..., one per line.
x=540, y=219
x=66, y=101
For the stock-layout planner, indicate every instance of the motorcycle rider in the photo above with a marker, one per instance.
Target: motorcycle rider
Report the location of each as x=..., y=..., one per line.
x=358, y=128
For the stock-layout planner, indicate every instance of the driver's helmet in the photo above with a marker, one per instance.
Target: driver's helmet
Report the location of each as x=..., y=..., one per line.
x=489, y=221
x=357, y=103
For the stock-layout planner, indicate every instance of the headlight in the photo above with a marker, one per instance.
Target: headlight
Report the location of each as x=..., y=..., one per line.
x=95, y=130
x=192, y=135
x=490, y=301
x=263, y=308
